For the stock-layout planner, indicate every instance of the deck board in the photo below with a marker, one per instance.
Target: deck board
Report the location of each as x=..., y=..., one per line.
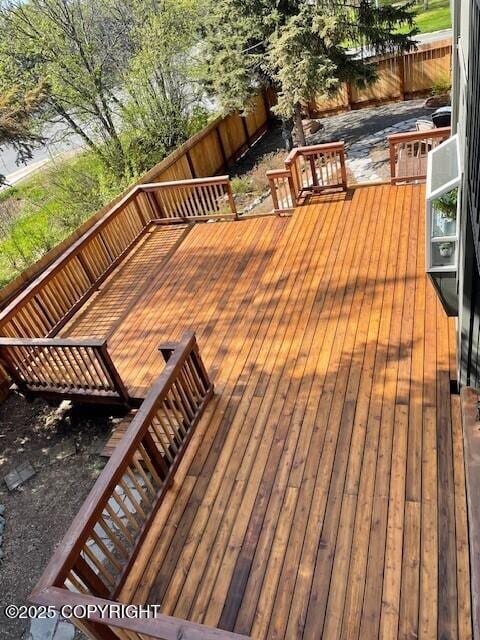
x=323, y=493
x=112, y=301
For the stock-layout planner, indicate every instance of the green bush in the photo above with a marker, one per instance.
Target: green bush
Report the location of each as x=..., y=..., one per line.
x=441, y=86
x=242, y=185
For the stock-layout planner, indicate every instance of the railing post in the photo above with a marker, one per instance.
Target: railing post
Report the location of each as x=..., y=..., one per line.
x=139, y=211
x=343, y=166
x=291, y=186
x=231, y=200
x=112, y=372
x=11, y=370
x=154, y=206
x=200, y=366
x=273, y=191
x=393, y=170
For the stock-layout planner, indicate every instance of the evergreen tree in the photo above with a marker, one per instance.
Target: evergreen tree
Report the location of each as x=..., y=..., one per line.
x=301, y=48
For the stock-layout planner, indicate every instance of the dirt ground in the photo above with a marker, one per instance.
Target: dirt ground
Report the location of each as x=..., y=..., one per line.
x=39, y=513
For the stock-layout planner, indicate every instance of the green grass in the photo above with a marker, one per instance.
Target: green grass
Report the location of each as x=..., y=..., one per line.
x=42, y=210
x=436, y=18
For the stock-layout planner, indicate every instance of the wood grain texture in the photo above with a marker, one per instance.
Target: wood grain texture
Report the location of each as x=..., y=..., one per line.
x=323, y=493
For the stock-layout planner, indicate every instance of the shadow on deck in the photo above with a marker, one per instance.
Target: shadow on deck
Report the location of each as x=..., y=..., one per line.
x=322, y=493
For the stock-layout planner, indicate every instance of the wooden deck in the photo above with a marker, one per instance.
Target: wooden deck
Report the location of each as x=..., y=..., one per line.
x=323, y=493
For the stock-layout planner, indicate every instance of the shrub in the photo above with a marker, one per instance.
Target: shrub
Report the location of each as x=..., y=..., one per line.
x=441, y=86
x=242, y=185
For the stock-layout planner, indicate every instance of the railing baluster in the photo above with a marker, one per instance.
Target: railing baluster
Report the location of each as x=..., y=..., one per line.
x=409, y=151
x=103, y=542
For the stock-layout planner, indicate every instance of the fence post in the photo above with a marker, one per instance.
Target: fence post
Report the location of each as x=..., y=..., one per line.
x=222, y=148
x=190, y=164
x=401, y=75
x=245, y=131
x=348, y=87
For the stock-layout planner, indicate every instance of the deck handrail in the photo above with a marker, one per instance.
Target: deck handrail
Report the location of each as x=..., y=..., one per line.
x=408, y=153
x=318, y=167
x=189, y=200
x=43, y=308
x=311, y=168
x=101, y=545
x=161, y=627
x=282, y=190
x=73, y=368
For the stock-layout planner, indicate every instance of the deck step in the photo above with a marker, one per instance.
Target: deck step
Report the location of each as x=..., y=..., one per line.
x=117, y=434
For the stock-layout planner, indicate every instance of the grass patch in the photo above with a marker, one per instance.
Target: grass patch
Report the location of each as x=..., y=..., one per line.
x=255, y=181
x=435, y=18
x=42, y=210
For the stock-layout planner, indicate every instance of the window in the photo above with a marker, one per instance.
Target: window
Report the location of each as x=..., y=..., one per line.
x=442, y=224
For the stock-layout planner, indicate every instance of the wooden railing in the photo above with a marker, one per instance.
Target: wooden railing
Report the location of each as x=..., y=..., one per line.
x=46, y=305
x=318, y=167
x=409, y=152
x=200, y=199
x=308, y=169
x=70, y=368
x=100, y=547
x=282, y=190
x=43, y=308
x=50, y=301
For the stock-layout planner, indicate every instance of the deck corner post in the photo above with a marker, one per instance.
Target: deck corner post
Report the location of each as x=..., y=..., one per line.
x=291, y=186
x=231, y=200
x=200, y=366
x=113, y=373
x=343, y=166
x=391, y=146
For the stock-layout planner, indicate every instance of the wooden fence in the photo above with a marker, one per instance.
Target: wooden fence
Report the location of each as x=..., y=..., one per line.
x=98, y=551
x=34, y=357
x=409, y=153
x=399, y=78
x=208, y=153
x=307, y=169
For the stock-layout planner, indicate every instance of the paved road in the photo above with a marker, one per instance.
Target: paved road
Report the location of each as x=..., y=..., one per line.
x=435, y=36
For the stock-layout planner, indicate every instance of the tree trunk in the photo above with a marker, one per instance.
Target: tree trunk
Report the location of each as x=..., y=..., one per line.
x=298, y=126
x=287, y=134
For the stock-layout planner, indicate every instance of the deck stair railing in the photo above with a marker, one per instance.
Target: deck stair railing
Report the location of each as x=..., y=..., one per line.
x=409, y=152
x=44, y=307
x=101, y=546
x=307, y=170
